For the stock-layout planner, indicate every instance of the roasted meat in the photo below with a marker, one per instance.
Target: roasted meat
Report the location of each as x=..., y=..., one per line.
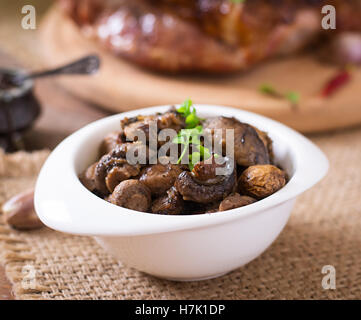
x=207, y=35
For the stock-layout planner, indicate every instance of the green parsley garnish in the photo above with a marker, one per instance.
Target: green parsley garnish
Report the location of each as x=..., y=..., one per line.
x=188, y=111
x=268, y=89
x=191, y=135
x=292, y=96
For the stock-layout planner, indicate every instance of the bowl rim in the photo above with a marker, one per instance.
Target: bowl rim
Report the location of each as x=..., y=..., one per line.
x=78, y=211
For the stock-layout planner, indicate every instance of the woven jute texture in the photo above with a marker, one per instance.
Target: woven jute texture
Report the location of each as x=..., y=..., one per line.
x=324, y=229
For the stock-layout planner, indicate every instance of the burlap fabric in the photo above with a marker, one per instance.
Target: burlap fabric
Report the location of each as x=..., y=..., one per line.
x=324, y=229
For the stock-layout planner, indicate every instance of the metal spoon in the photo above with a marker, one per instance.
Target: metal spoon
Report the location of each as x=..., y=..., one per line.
x=86, y=65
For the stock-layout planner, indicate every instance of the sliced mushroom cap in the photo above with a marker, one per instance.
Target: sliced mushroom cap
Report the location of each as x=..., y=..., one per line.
x=131, y=194
x=160, y=177
x=171, y=203
x=261, y=181
x=235, y=200
x=249, y=147
x=204, y=190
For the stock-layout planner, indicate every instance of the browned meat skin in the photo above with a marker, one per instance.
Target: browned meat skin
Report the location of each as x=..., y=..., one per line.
x=205, y=190
x=249, y=146
x=159, y=178
x=232, y=23
x=346, y=49
x=235, y=201
x=239, y=24
x=158, y=40
x=131, y=194
x=84, y=12
x=171, y=203
x=348, y=15
x=207, y=35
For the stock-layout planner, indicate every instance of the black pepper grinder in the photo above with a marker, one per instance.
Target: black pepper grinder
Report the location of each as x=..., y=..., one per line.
x=19, y=107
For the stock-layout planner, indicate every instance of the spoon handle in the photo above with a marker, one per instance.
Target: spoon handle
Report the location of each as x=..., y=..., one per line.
x=85, y=65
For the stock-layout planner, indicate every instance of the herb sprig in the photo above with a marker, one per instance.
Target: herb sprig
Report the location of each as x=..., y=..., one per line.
x=188, y=111
x=292, y=96
x=191, y=135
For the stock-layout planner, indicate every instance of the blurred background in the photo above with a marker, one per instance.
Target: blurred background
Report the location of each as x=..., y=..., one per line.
x=61, y=112
x=14, y=40
x=279, y=63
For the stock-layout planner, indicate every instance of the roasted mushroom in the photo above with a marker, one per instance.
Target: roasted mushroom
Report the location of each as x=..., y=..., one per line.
x=171, y=203
x=267, y=141
x=131, y=194
x=160, y=177
x=135, y=174
x=249, y=147
x=235, y=200
x=132, y=127
x=261, y=181
x=87, y=178
x=114, y=167
x=110, y=141
x=204, y=185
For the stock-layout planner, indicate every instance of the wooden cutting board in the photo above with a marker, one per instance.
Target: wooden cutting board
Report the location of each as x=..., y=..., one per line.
x=121, y=86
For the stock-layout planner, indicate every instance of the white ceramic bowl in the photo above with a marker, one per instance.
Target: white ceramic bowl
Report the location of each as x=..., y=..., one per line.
x=191, y=247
